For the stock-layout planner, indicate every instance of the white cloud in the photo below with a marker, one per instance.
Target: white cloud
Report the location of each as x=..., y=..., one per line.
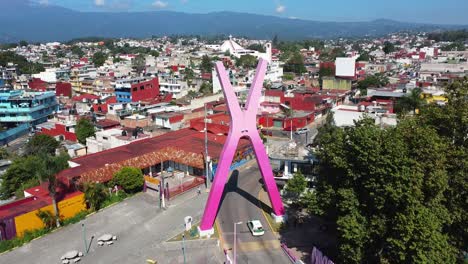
x=99, y=2
x=183, y=1
x=160, y=4
x=280, y=9
x=43, y=2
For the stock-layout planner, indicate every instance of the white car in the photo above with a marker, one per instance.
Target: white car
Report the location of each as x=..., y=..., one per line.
x=302, y=130
x=256, y=228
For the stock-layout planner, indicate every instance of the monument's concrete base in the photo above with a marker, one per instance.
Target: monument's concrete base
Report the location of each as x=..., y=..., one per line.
x=206, y=233
x=279, y=218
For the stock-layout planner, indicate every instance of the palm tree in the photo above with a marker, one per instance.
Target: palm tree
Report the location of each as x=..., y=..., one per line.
x=411, y=102
x=48, y=172
x=95, y=194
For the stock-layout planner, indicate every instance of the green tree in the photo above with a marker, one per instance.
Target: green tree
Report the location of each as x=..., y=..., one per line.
x=47, y=218
x=23, y=43
x=139, y=63
x=20, y=175
x=384, y=190
x=206, y=64
x=247, y=61
x=50, y=167
x=274, y=41
x=99, y=58
x=206, y=88
x=451, y=123
x=410, y=102
x=41, y=144
x=77, y=51
x=84, y=129
x=154, y=53
x=326, y=71
x=189, y=74
x=288, y=76
x=373, y=81
x=95, y=195
x=388, y=47
x=295, y=64
x=297, y=185
x=130, y=179
x=257, y=47
x=4, y=154
x=364, y=57
x=24, y=66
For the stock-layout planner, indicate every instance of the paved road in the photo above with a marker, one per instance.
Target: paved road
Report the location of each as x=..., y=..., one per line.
x=141, y=227
x=240, y=203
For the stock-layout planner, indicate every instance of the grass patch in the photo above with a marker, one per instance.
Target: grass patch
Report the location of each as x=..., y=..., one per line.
x=192, y=234
x=29, y=235
x=114, y=198
x=273, y=224
x=75, y=219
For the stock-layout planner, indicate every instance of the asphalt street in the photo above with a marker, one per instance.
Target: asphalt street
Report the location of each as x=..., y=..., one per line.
x=240, y=203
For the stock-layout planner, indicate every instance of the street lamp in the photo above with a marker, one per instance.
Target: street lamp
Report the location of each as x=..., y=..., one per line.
x=235, y=240
x=183, y=246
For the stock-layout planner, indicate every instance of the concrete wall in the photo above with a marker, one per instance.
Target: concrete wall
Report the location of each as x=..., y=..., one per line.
x=67, y=208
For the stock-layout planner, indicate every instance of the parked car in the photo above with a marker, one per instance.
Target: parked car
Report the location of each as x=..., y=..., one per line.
x=256, y=227
x=302, y=130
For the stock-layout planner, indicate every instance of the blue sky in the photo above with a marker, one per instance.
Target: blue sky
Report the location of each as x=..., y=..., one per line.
x=429, y=11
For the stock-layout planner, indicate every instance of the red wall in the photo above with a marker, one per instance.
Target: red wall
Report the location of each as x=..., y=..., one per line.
x=150, y=90
x=59, y=130
x=63, y=88
x=297, y=122
x=37, y=84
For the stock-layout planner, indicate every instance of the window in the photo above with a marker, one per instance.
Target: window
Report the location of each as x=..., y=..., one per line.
x=142, y=87
x=135, y=89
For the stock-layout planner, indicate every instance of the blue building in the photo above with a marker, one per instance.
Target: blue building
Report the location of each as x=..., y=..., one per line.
x=23, y=107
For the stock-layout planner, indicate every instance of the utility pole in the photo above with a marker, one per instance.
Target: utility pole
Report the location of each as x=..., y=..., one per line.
x=183, y=246
x=290, y=134
x=207, y=168
x=84, y=237
x=163, y=204
x=235, y=241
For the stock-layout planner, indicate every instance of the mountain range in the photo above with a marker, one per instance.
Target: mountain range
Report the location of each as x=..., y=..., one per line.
x=22, y=20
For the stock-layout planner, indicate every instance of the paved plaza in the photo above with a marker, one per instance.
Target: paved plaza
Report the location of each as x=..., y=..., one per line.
x=141, y=229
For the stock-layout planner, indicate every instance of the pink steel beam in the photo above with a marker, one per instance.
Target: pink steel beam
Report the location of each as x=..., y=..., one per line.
x=243, y=124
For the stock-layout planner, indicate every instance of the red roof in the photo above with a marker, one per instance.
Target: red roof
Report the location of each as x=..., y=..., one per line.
x=85, y=96
x=40, y=198
x=184, y=145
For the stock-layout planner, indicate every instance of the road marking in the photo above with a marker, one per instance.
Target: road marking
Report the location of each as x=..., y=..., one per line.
x=257, y=246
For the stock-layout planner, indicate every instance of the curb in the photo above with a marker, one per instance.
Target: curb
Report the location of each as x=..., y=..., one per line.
x=265, y=215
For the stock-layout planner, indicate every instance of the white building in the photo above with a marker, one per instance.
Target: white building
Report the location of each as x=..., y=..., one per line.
x=111, y=138
x=345, y=67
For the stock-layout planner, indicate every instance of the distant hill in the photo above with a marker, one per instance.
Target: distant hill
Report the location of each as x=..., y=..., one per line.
x=21, y=20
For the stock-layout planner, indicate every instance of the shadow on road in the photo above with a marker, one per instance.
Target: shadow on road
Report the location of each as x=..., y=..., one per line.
x=303, y=231
x=233, y=186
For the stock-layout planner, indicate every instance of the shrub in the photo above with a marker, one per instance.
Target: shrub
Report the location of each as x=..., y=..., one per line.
x=130, y=179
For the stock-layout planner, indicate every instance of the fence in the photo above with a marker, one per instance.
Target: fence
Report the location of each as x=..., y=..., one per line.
x=290, y=255
x=317, y=257
x=186, y=186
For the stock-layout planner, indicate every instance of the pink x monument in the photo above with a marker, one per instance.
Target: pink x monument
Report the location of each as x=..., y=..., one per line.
x=243, y=124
